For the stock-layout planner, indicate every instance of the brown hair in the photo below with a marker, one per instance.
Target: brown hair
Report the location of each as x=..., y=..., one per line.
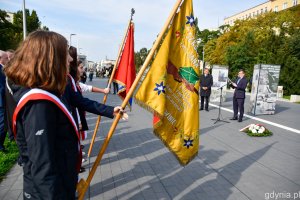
x=40, y=62
x=73, y=65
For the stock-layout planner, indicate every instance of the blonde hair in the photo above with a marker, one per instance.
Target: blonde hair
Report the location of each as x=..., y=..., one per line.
x=40, y=62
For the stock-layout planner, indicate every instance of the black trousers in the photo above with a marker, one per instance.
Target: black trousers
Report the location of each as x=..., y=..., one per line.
x=115, y=87
x=238, y=105
x=206, y=102
x=2, y=128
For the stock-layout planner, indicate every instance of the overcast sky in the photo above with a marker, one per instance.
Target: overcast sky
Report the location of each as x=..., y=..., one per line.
x=100, y=25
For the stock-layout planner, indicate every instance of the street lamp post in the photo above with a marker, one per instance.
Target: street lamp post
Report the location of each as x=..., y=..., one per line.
x=203, y=57
x=199, y=43
x=71, y=38
x=24, y=21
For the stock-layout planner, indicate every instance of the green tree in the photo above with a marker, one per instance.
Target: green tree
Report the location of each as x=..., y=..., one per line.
x=32, y=22
x=272, y=38
x=241, y=55
x=11, y=34
x=140, y=57
x=7, y=33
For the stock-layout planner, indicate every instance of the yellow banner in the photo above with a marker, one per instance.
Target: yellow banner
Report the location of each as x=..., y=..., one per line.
x=170, y=89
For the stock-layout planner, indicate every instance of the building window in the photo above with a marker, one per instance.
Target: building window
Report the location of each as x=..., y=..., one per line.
x=257, y=12
x=261, y=11
x=266, y=9
x=253, y=14
x=284, y=6
x=276, y=9
x=295, y=2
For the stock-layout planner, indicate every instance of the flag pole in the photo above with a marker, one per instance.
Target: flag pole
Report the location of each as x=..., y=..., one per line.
x=109, y=83
x=83, y=185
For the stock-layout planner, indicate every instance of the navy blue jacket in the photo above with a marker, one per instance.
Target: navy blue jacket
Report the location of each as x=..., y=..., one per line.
x=74, y=100
x=2, y=86
x=50, y=157
x=240, y=90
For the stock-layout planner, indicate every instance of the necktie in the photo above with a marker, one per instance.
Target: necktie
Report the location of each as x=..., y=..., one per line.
x=238, y=81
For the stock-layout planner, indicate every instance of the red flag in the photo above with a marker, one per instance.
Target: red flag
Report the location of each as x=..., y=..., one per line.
x=125, y=73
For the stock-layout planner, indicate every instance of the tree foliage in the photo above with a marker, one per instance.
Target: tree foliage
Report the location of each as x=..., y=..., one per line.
x=272, y=38
x=140, y=57
x=11, y=34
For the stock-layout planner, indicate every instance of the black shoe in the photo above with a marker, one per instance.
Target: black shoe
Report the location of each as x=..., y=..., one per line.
x=82, y=146
x=201, y=108
x=20, y=162
x=234, y=118
x=207, y=110
x=82, y=169
x=240, y=120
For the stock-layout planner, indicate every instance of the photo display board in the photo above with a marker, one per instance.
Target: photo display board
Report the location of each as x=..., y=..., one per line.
x=264, y=89
x=220, y=76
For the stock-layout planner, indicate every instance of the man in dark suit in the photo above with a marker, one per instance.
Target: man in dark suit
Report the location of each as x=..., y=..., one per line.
x=3, y=61
x=206, y=81
x=239, y=96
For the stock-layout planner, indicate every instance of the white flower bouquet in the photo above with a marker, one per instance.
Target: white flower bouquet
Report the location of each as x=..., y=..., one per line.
x=256, y=130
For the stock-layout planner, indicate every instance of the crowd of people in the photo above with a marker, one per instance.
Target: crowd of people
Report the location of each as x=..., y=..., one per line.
x=46, y=113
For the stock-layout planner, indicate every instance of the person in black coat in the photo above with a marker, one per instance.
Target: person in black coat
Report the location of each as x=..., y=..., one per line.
x=206, y=81
x=73, y=99
x=239, y=95
x=3, y=62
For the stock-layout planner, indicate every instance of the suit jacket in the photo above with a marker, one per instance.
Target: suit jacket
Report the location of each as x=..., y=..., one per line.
x=2, y=86
x=206, y=82
x=240, y=89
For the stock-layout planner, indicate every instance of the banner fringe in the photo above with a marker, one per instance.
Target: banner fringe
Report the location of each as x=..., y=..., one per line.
x=146, y=107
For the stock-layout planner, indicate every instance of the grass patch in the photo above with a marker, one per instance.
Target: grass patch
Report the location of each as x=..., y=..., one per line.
x=287, y=97
x=9, y=158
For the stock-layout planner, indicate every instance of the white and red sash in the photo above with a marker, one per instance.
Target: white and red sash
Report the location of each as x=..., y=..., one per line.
x=39, y=94
x=83, y=134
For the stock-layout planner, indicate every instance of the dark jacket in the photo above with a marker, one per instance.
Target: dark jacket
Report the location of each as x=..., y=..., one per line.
x=83, y=77
x=206, y=82
x=2, y=87
x=240, y=90
x=48, y=147
x=82, y=115
x=74, y=100
x=10, y=106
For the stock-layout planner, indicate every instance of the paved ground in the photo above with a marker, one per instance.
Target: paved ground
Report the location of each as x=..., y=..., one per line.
x=230, y=165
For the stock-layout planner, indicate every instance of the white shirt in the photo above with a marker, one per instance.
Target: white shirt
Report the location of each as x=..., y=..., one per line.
x=85, y=88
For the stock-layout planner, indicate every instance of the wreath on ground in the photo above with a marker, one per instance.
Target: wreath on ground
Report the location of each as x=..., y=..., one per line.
x=256, y=130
